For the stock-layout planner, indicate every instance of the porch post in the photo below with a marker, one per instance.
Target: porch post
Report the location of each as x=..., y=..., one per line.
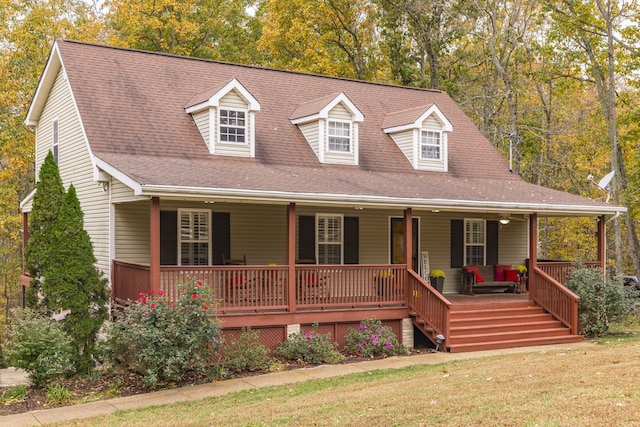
x=154, y=244
x=601, y=236
x=408, y=247
x=533, y=254
x=291, y=255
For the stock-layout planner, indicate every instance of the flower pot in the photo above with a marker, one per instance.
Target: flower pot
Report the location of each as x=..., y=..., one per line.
x=438, y=283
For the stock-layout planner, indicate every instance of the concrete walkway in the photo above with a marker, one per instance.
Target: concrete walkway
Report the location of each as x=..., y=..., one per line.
x=192, y=393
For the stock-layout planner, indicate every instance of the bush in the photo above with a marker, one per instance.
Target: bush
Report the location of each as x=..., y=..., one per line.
x=161, y=340
x=601, y=302
x=310, y=347
x=246, y=354
x=39, y=346
x=371, y=339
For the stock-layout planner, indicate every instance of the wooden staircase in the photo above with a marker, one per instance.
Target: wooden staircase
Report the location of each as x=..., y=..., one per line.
x=505, y=325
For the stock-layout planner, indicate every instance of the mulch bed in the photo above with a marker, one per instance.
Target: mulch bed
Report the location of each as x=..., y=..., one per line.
x=116, y=384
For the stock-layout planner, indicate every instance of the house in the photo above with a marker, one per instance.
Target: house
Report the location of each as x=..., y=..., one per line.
x=298, y=198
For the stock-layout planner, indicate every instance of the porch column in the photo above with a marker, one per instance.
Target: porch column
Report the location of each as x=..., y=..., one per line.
x=154, y=244
x=291, y=255
x=533, y=254
x=408, y=247
x=601, y=236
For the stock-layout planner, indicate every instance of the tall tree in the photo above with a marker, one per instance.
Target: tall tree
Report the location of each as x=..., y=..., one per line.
x=72, y=282
x=214, y=29
x=44, y=213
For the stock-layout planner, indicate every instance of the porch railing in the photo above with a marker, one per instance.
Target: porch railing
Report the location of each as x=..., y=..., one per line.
x=557, y=299
x=241, y=288
x=560, y=270
x=429, y=305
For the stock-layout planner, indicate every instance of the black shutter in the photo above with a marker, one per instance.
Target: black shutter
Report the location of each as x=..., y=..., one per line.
x=306, y=237
x=168, y=238
x=457, y=243
x=492, y=243
x=351, y=240
x=221, y=230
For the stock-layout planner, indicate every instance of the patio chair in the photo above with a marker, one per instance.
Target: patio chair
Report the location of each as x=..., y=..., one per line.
x=241, y=261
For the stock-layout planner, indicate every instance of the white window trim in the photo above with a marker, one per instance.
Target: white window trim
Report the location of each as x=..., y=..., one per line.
x=440, y=145
x=468, y=244
x=350, y=123
x=181, y=241
x=318, y=243
x=55, y=138
x=246, y=126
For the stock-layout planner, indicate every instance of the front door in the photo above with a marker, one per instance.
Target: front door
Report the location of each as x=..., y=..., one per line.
x=397, y=242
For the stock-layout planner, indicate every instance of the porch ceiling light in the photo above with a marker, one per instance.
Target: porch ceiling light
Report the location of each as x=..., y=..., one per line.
x=504, y=221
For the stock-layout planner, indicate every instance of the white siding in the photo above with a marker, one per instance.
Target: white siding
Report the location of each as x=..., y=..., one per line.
x=430, y=123
x=340, y=112
x=311, y=131
x=202, y=121
x=404, y=140
x=234, y=101
x=75, y=166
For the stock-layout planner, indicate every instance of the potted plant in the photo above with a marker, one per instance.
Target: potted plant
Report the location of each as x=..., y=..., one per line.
x=521, y=269
x=436, y=277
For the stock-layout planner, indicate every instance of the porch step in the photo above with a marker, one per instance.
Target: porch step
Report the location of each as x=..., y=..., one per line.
x=495, y=326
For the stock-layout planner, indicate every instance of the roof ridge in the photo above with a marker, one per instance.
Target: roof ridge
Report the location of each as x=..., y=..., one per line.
x=255, y=67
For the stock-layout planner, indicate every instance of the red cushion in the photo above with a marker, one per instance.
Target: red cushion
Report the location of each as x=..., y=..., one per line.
x=474, y=269
x=511, y=275
x=499, y=272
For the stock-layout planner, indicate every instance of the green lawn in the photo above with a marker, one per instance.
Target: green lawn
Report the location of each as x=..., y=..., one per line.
x=591, y=386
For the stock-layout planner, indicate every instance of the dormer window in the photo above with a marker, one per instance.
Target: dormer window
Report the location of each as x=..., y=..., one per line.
x=233, y=126
x=330, y=126
x=431, y=145
x=339, y=134
x=225, y=116
x=421, y=134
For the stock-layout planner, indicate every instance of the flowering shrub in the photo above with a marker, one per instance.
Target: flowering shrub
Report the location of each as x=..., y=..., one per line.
x=160, y=339
x=309, y=347
x=245, y=354
x=371, y=339
x=39, y=346
x=600, y=301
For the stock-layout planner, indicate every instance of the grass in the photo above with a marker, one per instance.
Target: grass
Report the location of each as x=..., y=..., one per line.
x=588, y=386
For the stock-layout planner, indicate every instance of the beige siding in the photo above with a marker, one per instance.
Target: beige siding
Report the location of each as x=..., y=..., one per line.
x=202, y=121
x=340, y=112
x=132, y=231
x=311, y=132
x=75, y=166
x=404, y=140
x=432, y=124
x=233, y=100
x=120, y=193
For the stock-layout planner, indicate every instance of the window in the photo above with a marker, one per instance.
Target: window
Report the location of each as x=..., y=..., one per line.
x=339, y=136
x=430, y=145
x=233, y=126
x=55, y=137
x=329, y=240
x=474, y=241
x=194, y=237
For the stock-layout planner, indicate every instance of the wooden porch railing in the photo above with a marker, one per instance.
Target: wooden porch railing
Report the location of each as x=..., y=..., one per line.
x=560, y=270
x=429, y=305
x=555, y=298
x=241, y=288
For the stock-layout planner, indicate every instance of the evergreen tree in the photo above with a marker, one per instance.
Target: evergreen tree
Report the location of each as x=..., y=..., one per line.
x=44, y=212
x=72, y=282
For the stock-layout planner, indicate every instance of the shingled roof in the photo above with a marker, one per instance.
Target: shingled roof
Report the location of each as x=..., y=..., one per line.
x=132, y=106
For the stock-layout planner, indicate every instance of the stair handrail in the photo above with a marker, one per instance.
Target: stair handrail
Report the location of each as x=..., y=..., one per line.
x=556, y=299
x=429, y=305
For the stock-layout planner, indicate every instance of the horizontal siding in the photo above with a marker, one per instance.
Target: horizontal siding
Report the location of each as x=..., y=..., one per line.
x=75, y=166
x=404, y=140
x=311, y=132
x=340, y=112
x=202, y=121
x=233, y=100
x=132, y=231
x=431, y=123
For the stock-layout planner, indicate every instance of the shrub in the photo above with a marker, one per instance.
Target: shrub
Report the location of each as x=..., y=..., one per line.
x=371, y=339
x=39, y=346
x=601, y=302
x=310, y=347
x=246, y=354
x=161, y=340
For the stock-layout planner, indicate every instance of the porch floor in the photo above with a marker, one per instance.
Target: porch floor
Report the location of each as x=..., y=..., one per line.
x=485, y=298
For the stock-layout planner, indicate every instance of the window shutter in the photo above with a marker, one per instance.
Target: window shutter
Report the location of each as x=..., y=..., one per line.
x=307, y=237
x=492, y=243
x=168, y=237
x=221, y=244
x=457, y=243
x=351, y=240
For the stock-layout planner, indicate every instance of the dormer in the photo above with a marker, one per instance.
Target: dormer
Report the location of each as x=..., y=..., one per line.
x=330, y=126
x=225, y=116
x=421, y=134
